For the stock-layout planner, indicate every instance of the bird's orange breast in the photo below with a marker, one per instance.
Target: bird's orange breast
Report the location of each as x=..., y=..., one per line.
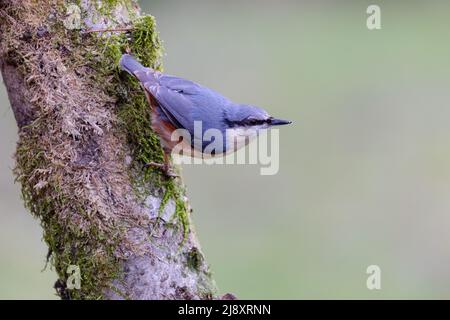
x=163, y=128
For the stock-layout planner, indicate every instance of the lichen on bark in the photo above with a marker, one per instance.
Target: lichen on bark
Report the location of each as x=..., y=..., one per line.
x=84, y=138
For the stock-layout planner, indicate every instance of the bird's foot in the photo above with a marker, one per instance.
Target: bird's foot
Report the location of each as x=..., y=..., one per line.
x=165, y=168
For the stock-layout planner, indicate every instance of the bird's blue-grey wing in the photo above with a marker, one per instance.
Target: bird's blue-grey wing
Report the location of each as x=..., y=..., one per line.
x=149, y=79
x=180, y=85
x=174, y=102
x=180, y=100
x=184, y=102
x=175, y=106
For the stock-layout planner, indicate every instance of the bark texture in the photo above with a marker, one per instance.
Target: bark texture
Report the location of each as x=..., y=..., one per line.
x=84, y=138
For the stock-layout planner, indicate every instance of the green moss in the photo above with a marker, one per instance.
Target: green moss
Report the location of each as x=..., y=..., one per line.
x=181, y=215
x=194, y=259
x=142, y=41
x=110, y=4
x=144, y=36
x=91, y=249
x=133, y=109
x=97, y=267
x=107, y=6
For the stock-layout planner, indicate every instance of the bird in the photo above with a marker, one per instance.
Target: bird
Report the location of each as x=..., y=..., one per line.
x=177, y=103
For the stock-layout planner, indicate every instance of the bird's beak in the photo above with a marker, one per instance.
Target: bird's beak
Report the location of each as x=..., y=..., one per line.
x=279, y=122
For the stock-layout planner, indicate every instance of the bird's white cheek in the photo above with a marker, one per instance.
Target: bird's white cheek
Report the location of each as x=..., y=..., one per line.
x=238, y=138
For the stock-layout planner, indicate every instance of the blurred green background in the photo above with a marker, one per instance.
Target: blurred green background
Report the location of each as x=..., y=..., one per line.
x=364, y=170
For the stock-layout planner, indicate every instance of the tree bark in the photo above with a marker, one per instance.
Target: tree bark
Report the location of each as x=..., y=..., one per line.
x=84, y=139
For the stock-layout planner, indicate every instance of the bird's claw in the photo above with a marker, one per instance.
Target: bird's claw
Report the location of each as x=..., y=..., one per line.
x=164, y=168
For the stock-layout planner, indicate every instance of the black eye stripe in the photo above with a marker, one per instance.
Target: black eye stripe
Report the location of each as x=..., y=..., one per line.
x=254, y=122
x=250, y=122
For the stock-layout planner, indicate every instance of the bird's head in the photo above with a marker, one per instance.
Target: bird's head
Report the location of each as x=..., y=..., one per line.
x=248, y=117
x=243, y=122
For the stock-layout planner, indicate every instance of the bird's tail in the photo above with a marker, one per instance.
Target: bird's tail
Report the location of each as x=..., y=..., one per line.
x=130, y=64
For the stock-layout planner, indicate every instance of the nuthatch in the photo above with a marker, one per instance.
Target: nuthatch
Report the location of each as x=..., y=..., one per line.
x=177, y=103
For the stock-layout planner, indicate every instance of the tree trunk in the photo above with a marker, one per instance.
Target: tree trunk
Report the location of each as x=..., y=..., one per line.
x=84, y=139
